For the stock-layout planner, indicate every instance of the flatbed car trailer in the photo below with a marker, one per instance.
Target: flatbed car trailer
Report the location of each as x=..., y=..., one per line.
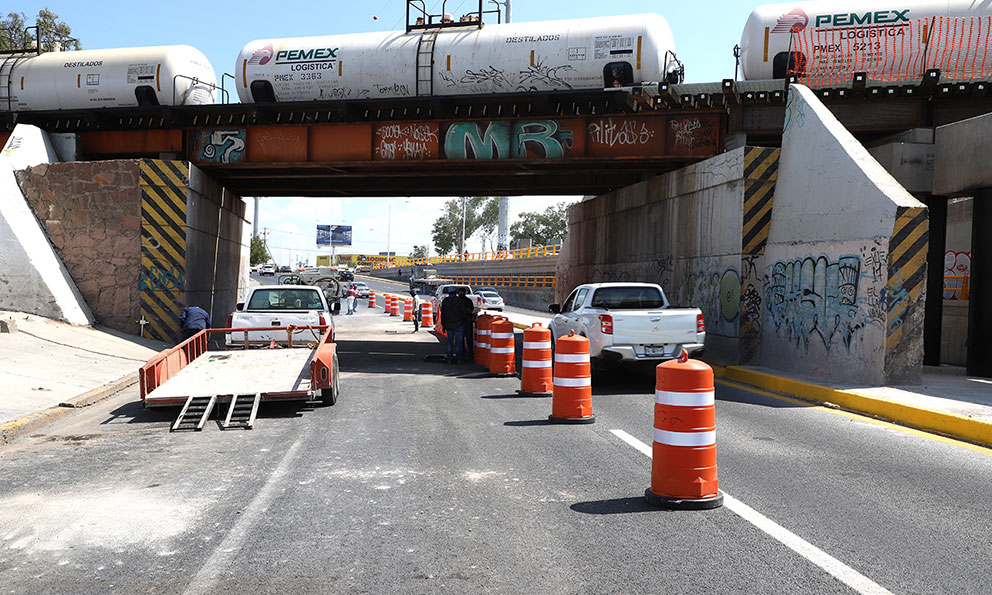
x=196, y=378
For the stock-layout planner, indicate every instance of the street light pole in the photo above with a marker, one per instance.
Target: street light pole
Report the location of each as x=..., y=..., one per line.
x=389, y=229
x=461, y=250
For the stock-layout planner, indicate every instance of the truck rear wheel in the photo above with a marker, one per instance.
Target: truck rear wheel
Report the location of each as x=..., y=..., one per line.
x=329, y=396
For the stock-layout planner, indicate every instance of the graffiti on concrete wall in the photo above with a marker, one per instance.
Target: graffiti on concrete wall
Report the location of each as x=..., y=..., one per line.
x=819, y=300
x=164, y=278
x=714, y=289
x=749, y=323
x=220, y=146
x=957, y=266
x=548, y=139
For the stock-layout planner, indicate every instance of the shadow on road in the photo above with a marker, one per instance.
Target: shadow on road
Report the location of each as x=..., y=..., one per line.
x=734, y=394
x=135, y=413
x=527, y=422
x=615, y=506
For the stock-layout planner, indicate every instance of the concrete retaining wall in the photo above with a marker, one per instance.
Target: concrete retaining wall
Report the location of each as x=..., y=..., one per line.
x=845, y=264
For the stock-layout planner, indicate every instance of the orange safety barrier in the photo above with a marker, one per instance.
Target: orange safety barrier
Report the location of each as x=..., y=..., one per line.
x=957, y=46
x=387, y=301
x=532, y=252
x=480, y=348
x=394, y=306
x=426, y=314
x=571, y=400
x=502, y=360
x=683, y=466
x=535, y=365
x=372, y=299
x=407, y=311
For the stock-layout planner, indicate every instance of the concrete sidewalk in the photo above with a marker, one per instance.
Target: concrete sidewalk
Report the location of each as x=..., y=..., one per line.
x=48, y=365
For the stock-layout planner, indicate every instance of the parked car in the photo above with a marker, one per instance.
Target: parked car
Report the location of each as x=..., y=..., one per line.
x=285, y=269
x=362, y=288
x=346, y=276
x=279, y=306
x=489, y=299
x=268, y=269
x=628, y=322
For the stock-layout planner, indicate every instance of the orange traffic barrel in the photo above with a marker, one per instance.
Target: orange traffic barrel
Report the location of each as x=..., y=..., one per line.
x=535, y=365
x=386, y=301
x=371, y=299
x=480, y=349
x=683, y=466
x=407, y=310
x=394, y=306
x=571, y=400
x=426, y=315
x=502, y=360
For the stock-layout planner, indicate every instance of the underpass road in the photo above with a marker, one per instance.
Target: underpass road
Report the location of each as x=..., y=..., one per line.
x=429, y=478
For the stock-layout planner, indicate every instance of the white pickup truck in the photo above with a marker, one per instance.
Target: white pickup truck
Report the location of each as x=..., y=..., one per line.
x=279, y=306
x=628, y=322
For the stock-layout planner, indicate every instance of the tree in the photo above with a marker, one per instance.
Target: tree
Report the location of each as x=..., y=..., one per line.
x=481, y=213
x=542, y=228
x=50, y=30
x=259, y=252
x=419, y=252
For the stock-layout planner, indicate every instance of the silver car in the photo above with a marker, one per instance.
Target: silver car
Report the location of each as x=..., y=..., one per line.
x=362, y=288
x=490, y=300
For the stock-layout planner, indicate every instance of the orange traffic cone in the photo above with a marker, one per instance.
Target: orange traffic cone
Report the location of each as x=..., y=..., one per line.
x=683, y=466
x=426, y=315
x=394, y=306
x=535, y=369
x=571, y=401
x=480, y=349
x=386, y=301
x=502, y=361
x=372, y=299
x=407, y=310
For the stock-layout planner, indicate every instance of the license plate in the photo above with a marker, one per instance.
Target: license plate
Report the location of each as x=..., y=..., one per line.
x=654, y=351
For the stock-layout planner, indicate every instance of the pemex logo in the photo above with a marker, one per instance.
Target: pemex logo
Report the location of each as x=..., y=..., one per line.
x=794, y=20
x=261, y=56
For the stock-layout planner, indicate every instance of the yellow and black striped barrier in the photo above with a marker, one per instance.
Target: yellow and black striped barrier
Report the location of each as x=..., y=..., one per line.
x=907, y=269
x=162, y=282
x=760, y=175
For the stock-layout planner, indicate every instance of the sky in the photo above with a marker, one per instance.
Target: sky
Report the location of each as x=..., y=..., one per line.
x=705, y=34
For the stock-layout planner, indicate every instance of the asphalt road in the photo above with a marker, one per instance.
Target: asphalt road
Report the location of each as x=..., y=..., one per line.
x=429, y=478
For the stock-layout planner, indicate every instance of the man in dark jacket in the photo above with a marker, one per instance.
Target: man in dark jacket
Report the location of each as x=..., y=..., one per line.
x=456, y=310
x=193, y=319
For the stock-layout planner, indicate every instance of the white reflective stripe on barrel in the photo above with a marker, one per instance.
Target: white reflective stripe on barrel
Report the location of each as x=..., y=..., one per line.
x=499, y=350
x=572, y=382
x=572, y=358
x=537, y=344
x=501, y=335
x=537, y=364
x=667, y=397
x=684, y=438
x=482, y=345
x=483, y=331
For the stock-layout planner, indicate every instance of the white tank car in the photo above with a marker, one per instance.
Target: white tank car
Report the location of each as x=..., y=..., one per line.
x=508, y=58
x=124, y=77
x=764, y=49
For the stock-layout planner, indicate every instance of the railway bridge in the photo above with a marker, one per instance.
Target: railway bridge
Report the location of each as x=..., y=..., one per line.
x=764, y=204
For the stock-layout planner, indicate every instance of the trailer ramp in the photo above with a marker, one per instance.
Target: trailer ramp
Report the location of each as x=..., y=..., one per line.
x=242, y=411
x=194, y=413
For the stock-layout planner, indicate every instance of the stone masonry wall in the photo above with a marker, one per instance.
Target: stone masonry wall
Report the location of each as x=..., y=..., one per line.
x=92, y=214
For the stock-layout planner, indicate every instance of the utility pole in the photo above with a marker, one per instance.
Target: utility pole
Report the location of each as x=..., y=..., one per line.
x=389, y=229
x=503, y=202
x=254, y=223
x=461, y=248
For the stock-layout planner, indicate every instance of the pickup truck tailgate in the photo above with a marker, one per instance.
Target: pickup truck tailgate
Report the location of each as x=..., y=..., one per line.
x=658, y=327
x=278, y=318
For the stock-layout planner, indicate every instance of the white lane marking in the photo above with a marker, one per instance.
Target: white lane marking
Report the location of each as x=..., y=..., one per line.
x=220, y=560
x=834, y=567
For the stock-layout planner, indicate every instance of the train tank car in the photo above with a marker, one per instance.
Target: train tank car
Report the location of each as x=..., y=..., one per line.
x=123, y=77
x=765, y=42
x=507, y=58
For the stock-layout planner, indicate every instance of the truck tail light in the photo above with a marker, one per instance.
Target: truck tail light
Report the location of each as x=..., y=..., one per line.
x=606, y=324
x=230, y=320
x=700, y=324
x=322, y=321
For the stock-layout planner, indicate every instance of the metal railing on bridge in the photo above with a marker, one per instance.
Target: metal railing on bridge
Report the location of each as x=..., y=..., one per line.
x=956, y=46
x=532, y=252
x=504, y=280
x=958, y=286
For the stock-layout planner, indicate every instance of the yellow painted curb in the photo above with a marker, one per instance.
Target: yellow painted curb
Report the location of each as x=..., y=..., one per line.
x=941, y=422
x=10, y=430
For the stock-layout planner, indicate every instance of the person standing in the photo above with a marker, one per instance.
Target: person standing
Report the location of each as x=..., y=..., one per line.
x=193, y=320
x=351, y=296
x=453, y=316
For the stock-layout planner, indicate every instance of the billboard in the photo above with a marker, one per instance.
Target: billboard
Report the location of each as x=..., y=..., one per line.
x=333, y=235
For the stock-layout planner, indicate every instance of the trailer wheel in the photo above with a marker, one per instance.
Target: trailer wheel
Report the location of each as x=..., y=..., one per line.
x=329, y=396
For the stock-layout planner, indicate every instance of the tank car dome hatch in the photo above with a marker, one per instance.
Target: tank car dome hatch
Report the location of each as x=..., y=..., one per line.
x=121, y=77
x=573, y=54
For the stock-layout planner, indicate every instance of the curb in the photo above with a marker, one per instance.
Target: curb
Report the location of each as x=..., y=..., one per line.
x=9, y=431
x=930, y=420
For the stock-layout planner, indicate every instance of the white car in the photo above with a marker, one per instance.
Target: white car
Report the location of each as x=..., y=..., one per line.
x=362, y=288
x=490, y=300
x=268, y=269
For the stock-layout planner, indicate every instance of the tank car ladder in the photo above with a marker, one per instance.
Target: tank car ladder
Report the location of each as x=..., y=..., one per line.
x=7, y=64
x=242, y=412
x=195, y=413
x=425, y=63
